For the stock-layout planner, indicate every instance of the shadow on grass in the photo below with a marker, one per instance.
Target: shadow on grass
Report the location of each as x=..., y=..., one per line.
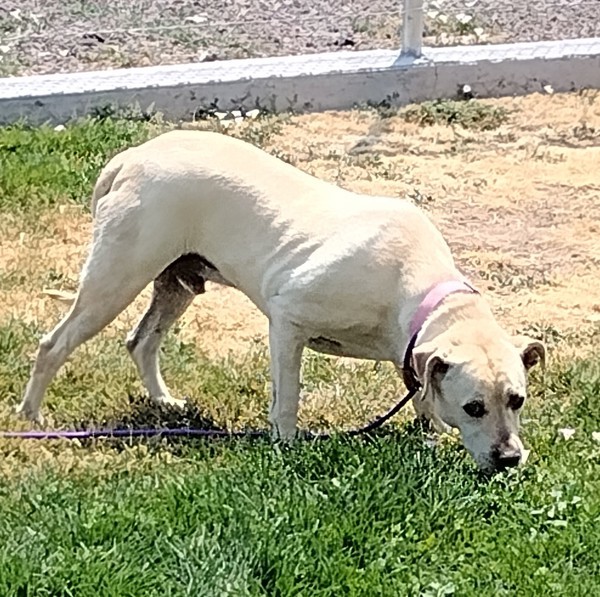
x=145, y=414
x=412, y=439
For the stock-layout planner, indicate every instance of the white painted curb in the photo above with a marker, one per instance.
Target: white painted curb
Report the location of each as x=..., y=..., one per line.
x=315, y=82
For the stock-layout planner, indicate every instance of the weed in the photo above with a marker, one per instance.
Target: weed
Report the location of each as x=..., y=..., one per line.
x=132, y=113
x=420, y=199
x=504, y=274
x=386, y=108
x=546, y=332
x=9, y=64
x=588, y=99
x=369, y=163
x=42, y=167
x=471, y=114
x=446, y=27
x=259, y=131
x=284, y=156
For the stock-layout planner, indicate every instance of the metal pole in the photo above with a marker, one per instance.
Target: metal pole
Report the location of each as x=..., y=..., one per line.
x=412, y=28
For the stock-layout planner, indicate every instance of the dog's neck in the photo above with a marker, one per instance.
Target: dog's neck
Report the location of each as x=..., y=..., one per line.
x=434, y=298
x=430, y=305
x=455, y=309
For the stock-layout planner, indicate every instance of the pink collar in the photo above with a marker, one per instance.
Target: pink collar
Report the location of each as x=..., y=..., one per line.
x=433, y=298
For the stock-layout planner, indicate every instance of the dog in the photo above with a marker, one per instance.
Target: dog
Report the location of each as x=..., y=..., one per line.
x=339, y=272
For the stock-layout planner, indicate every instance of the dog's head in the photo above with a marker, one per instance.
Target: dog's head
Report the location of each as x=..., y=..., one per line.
x=479, y=386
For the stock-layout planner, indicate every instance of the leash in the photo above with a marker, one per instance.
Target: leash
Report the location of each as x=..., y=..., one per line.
x=190, y=432
x=411, y=382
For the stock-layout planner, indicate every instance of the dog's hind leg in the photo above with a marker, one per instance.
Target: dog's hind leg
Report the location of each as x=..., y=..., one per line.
x=109, y=282
x=174, y=290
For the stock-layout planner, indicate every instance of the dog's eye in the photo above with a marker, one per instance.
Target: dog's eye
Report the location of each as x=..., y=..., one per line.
x=475, y=409
x=515, y=401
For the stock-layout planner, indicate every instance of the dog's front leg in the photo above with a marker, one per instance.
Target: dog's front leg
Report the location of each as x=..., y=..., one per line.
x=286, y=346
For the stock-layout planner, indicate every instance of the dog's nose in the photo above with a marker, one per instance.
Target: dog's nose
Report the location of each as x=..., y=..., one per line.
x=504, y=459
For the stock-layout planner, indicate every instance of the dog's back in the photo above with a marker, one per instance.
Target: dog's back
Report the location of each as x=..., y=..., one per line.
x=259, y=218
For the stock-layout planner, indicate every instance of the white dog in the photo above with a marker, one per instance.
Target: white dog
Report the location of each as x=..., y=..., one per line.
x=342, y=273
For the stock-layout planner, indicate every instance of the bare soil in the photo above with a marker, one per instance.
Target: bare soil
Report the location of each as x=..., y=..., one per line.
x=520, y=207
x=74, y=35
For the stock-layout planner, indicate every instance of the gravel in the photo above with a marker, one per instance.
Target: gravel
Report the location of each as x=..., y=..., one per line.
x=49, y=36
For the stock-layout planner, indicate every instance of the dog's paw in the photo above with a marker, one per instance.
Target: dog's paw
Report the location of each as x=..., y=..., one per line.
x=284, y=436
x=33, y=415
x=169, y=402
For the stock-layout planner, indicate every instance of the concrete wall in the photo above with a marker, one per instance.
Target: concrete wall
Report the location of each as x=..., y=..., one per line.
x=307, y=83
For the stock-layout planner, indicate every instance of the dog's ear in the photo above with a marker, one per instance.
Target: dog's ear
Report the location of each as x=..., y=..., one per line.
x=430, y=367
x=532, y=351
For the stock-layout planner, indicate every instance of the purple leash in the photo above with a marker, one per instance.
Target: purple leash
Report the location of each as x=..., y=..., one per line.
x=116, y=433
x=191, y=432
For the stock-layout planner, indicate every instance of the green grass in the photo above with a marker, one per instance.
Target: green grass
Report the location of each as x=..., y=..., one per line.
x=351, y=518
x=42, y=167
x=390, y=516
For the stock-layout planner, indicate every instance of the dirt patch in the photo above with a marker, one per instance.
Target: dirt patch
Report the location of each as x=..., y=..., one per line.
x=71, y=35
x=520, y=207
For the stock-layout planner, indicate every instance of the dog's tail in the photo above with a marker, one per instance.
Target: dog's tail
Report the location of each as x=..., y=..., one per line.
x=60, y=295
x=106, y=179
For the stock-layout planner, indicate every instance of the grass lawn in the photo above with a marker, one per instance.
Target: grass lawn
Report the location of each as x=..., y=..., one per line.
x=391, y=514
